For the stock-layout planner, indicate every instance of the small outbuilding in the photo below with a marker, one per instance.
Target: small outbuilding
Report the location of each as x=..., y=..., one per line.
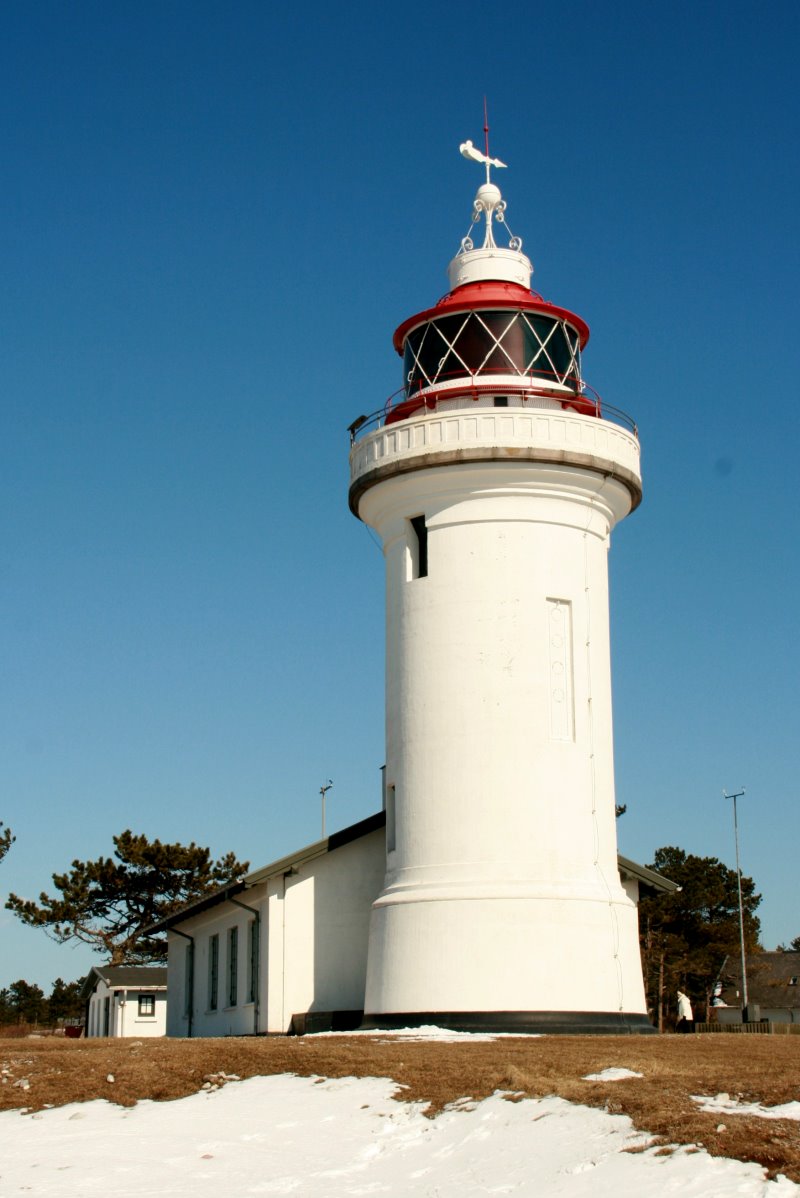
x=773, y=986
x=126, y=1000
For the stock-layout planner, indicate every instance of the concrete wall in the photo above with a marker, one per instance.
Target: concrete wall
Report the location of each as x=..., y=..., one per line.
x=502, y=891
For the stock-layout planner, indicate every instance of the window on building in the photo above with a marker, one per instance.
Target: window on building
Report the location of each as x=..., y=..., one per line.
x=213, y=972
x=147, y=1005
x=233, y=966
x=418, y=548
x=501, y=401
x=793, y=980
x=252, y=960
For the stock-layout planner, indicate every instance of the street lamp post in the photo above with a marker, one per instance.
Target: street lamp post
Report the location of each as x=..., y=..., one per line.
x=736, y=796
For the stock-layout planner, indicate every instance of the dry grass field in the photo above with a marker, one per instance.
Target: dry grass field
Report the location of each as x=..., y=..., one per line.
x=755, y=1068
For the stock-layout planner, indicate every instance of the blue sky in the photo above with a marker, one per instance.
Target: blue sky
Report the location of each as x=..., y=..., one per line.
x=213, y=218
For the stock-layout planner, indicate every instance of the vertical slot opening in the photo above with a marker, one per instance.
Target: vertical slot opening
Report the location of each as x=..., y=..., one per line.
x=390, y=819
x=418, y=544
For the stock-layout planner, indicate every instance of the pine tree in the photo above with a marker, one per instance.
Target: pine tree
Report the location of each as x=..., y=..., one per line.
x=109, y=903
x=6, y=1010
x=64, y=1001
x=6, y=840
x=686, y=936
x=26, y=1002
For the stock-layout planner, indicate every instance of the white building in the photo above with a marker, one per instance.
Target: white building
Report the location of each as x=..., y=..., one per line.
x=125, y=1000
x=494, y=483
x=288, y=940
x=497, y=897
x=285, y=948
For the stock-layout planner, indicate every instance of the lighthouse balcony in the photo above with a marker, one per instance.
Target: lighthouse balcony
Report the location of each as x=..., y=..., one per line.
x=492, y=391
x=534, y=429
x=499, y=391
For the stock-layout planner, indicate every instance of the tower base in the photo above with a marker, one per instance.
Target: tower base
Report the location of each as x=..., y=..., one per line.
x=559, y=1023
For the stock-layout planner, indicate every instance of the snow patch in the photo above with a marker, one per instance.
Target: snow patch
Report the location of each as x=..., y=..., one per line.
x=427, y=1031
x=724, y=1104
x=338, y=1138
x=612, y=1074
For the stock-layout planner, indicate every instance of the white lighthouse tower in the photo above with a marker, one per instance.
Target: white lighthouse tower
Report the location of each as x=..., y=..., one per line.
x=494, y=482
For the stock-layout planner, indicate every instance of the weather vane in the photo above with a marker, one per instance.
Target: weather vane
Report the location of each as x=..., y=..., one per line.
x=488, y=201
x=469, y=150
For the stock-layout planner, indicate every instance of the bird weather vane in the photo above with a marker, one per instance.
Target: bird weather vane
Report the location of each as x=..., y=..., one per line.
x=488, y=202
x=470, y=151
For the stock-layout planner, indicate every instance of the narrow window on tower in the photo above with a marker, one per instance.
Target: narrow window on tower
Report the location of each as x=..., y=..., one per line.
x=417, y=548
x=390, y=819
x=501, y=401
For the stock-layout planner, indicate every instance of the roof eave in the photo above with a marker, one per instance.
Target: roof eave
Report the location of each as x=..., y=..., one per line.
x=283, y=865
x=645, y=876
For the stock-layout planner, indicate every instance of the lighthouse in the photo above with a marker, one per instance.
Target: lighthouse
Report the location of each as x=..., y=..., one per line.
x=494, y=479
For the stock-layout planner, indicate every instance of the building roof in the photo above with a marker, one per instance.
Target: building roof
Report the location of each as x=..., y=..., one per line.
x=647, y=878
x=121, y=977
x=773, y=980
x=371, y=824
x=195, y=908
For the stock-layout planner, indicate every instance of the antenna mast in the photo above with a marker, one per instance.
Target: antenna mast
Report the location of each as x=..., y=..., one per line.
x=486, y=136
x=323, y=790
x=745, y=1003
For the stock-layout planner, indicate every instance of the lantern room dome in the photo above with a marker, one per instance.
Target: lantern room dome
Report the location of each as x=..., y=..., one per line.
x=490, y=293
